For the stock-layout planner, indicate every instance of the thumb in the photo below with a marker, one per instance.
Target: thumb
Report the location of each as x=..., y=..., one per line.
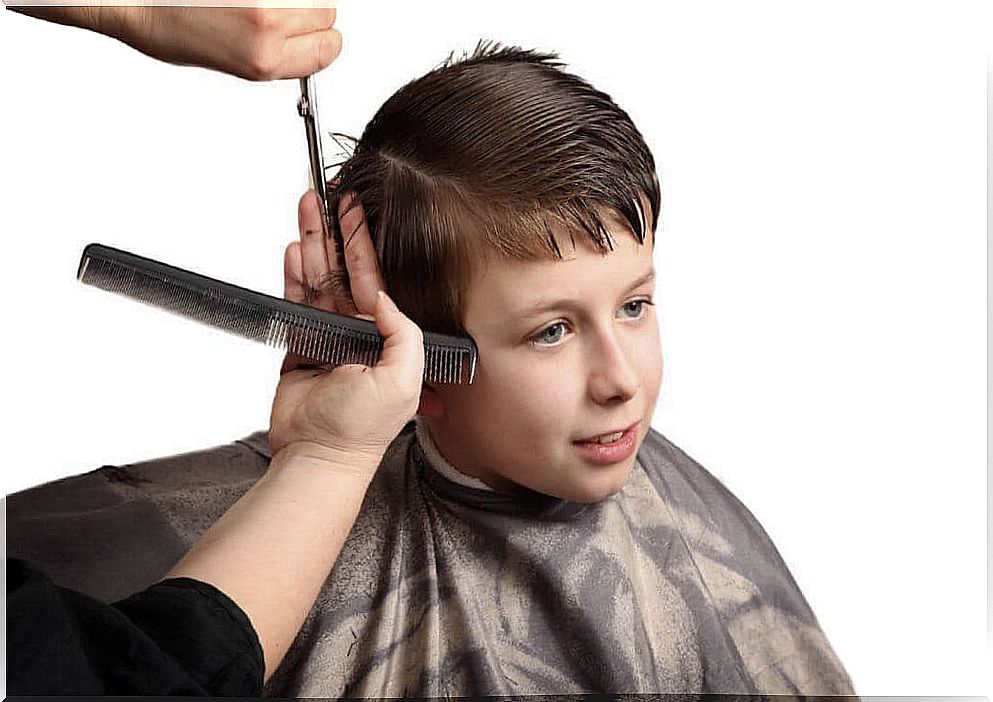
x=403, y=343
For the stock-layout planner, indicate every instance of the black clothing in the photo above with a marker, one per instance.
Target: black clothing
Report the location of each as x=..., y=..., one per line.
x=178, y=637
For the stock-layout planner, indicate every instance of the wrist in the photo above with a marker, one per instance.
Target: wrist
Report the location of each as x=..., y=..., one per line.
x=311, y=456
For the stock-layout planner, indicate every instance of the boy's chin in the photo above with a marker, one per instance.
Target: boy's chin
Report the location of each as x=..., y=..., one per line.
x=597, y=487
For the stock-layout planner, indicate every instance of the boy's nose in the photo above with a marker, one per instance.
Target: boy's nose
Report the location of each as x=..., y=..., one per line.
x=612, y=377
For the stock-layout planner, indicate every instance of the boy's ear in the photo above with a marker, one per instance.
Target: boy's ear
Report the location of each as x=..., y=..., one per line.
x=431, y=404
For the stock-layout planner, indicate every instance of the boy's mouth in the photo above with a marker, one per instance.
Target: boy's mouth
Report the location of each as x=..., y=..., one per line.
x=610, y=447
x=607, y=437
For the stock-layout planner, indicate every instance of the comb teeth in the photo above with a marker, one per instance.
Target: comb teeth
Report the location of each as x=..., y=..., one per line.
x=322, y=337
x=323, y=343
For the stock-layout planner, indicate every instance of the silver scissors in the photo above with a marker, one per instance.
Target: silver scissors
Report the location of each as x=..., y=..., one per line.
x=307, y=107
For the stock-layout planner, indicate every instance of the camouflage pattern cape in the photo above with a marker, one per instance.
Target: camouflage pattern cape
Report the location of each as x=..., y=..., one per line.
x=669, y=586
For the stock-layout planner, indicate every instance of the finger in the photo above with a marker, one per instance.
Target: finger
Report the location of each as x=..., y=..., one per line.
x=403, y=343
x=316, y=270
x=293, y=287
x=296, y=20
x=308, y=53
x=294, y=291
x=360, y=255
x=338, y=284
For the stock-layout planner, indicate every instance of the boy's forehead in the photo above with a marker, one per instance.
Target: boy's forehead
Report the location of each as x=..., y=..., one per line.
x=504, y=288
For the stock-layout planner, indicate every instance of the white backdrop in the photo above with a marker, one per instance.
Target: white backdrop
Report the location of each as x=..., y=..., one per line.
x=822, y=268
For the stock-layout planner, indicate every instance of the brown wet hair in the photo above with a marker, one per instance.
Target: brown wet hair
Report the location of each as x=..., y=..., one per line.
x=485, y=155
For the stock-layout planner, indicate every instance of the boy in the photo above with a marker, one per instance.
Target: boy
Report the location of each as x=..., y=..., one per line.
x=530, y=533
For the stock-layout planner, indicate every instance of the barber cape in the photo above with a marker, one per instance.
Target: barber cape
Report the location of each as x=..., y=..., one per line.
x=444, y=588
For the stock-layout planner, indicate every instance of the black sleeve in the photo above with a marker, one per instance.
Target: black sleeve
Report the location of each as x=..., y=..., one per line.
x=178, y=637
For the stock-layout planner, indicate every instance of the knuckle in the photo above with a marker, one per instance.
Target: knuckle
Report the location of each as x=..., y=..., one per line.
x=262, y=18
x=261, y=70
x=264, y=60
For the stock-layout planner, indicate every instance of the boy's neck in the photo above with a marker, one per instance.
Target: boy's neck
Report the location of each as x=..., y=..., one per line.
x=441, y=464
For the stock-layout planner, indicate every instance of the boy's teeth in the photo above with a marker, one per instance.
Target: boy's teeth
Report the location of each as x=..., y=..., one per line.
x=607, y=438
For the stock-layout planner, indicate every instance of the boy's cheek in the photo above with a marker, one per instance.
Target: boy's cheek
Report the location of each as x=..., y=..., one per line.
x=533, y=405
x=534, y=382
x=653, y=363
x=656, y=373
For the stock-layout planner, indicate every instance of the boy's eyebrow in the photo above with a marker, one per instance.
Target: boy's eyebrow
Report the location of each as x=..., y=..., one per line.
x=544, y=304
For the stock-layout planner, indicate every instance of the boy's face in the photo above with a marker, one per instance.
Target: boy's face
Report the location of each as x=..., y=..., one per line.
x=588, y=364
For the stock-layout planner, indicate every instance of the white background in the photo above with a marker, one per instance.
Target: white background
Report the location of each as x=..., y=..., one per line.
x=822, y=268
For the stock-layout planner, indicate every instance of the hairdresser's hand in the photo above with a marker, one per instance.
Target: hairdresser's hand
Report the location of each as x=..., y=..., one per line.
x=257, y=43
x=309, y=403
x=353, y=410
x=310, y=266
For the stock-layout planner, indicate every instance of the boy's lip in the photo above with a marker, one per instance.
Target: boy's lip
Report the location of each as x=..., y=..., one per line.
x=605, y=433
x=612, y=453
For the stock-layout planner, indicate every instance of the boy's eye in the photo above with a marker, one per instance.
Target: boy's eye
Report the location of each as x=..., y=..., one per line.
x=550, y=335
x=635, y=308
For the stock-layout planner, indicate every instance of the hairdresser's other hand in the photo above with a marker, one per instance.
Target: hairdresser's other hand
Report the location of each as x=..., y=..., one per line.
x=310, y=267
x=353, y=410
x=256, y=43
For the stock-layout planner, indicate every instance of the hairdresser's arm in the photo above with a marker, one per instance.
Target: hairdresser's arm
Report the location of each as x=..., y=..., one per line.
x=273, y=550
x=256, y=43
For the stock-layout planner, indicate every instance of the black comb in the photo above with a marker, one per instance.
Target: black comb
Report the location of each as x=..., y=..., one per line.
x=322, y=337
